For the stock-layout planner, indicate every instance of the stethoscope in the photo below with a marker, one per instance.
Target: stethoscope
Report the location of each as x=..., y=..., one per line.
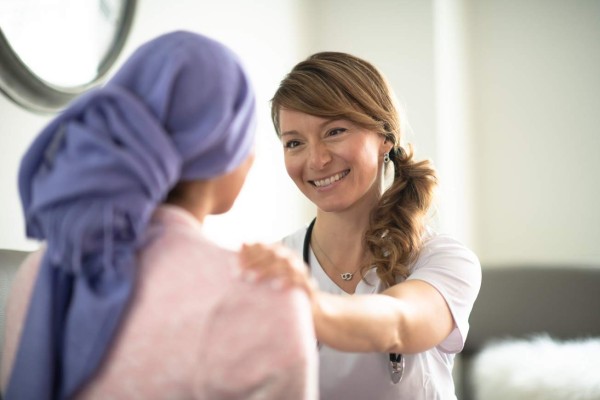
x=396, y=365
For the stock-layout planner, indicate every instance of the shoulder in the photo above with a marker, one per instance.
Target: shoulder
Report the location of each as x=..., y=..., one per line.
x=173, y=235
x=449, y=265
x=273, y=329
x=265, y=310
x=441, y=249
x=180, y=260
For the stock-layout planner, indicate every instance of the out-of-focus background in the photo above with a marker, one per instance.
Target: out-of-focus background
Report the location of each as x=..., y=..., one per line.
x=503, y=96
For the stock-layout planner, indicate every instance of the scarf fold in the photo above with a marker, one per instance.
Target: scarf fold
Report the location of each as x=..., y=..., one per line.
x=180, y=108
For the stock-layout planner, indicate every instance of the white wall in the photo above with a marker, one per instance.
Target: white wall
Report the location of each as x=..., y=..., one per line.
x=454, y=156
x=17, y=128
x=267, y=34
x=536, y=88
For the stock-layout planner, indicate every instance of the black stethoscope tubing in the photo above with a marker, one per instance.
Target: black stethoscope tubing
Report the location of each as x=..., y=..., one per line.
x=396, y=365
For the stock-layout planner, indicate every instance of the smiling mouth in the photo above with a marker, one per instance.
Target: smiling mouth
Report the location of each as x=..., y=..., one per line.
x=331, y=179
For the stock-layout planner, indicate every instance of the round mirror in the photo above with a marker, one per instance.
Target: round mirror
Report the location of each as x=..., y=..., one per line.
x=53, y=50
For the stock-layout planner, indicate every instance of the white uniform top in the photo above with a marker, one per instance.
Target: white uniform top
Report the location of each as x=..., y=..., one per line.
x=455, y=272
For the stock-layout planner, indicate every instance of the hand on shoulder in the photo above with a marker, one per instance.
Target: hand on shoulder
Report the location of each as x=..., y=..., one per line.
x=277, y=263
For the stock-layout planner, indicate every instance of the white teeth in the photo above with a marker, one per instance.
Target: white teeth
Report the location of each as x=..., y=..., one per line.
x=330, y=180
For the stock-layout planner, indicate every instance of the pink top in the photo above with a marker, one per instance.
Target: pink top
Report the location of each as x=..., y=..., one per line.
x=194, y=330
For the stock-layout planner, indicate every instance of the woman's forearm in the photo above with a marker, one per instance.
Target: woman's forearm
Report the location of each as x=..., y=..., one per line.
x=407, y=318
x=359, y=323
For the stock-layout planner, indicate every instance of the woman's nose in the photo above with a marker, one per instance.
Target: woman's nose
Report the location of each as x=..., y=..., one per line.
x=319, y=156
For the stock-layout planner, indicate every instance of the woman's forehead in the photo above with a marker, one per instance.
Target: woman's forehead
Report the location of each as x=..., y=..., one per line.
x=292, y=120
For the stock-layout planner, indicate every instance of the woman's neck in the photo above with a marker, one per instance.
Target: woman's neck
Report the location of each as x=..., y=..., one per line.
x=340, y=236
x=196, y=197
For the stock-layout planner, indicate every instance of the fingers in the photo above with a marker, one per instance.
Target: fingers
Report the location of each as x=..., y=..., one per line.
x=260, y=261
x=276, y=263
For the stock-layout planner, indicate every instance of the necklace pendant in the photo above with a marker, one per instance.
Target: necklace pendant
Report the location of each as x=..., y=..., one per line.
x=347, y=276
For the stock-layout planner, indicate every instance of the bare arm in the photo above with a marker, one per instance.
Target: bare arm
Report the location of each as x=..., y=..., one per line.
x=410, y=317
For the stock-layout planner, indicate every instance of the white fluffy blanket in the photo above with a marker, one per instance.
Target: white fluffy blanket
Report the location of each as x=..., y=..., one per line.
x=540, y=368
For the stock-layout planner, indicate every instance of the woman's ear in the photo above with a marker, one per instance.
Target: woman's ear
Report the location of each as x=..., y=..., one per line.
x=386, y=145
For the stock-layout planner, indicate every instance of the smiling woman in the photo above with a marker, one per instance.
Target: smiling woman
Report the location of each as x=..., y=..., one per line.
x=392, y=296
x=78, y=44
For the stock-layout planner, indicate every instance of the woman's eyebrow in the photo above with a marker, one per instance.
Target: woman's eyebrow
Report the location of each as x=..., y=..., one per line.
x=321, y=126
x=288, y=133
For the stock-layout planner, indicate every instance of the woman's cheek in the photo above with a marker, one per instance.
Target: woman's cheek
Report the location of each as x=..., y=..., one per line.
x=293, y=168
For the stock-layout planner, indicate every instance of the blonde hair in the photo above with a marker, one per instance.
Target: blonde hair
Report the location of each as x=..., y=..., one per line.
x=341, y=86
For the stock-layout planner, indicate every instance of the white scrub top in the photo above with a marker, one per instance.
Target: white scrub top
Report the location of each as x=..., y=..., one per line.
x=455, y=272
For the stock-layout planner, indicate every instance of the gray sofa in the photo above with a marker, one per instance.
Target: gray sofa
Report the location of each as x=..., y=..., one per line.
x=519, y=301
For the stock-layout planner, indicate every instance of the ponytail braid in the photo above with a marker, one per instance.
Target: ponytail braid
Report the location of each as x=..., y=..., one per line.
x=394, y=237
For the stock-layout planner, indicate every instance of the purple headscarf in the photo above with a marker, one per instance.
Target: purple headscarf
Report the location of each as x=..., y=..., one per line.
x=181, y=108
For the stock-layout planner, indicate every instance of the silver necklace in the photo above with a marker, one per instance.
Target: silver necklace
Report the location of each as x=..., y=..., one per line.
x=347, y=276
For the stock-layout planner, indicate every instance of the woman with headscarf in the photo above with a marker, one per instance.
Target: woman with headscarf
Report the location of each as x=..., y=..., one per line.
x=128, y=298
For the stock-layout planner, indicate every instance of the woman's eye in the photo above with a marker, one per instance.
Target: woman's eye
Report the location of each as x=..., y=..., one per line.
x=336, y=131
x=290, y=144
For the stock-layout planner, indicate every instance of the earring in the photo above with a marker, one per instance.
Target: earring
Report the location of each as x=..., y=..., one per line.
x=386, y=157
